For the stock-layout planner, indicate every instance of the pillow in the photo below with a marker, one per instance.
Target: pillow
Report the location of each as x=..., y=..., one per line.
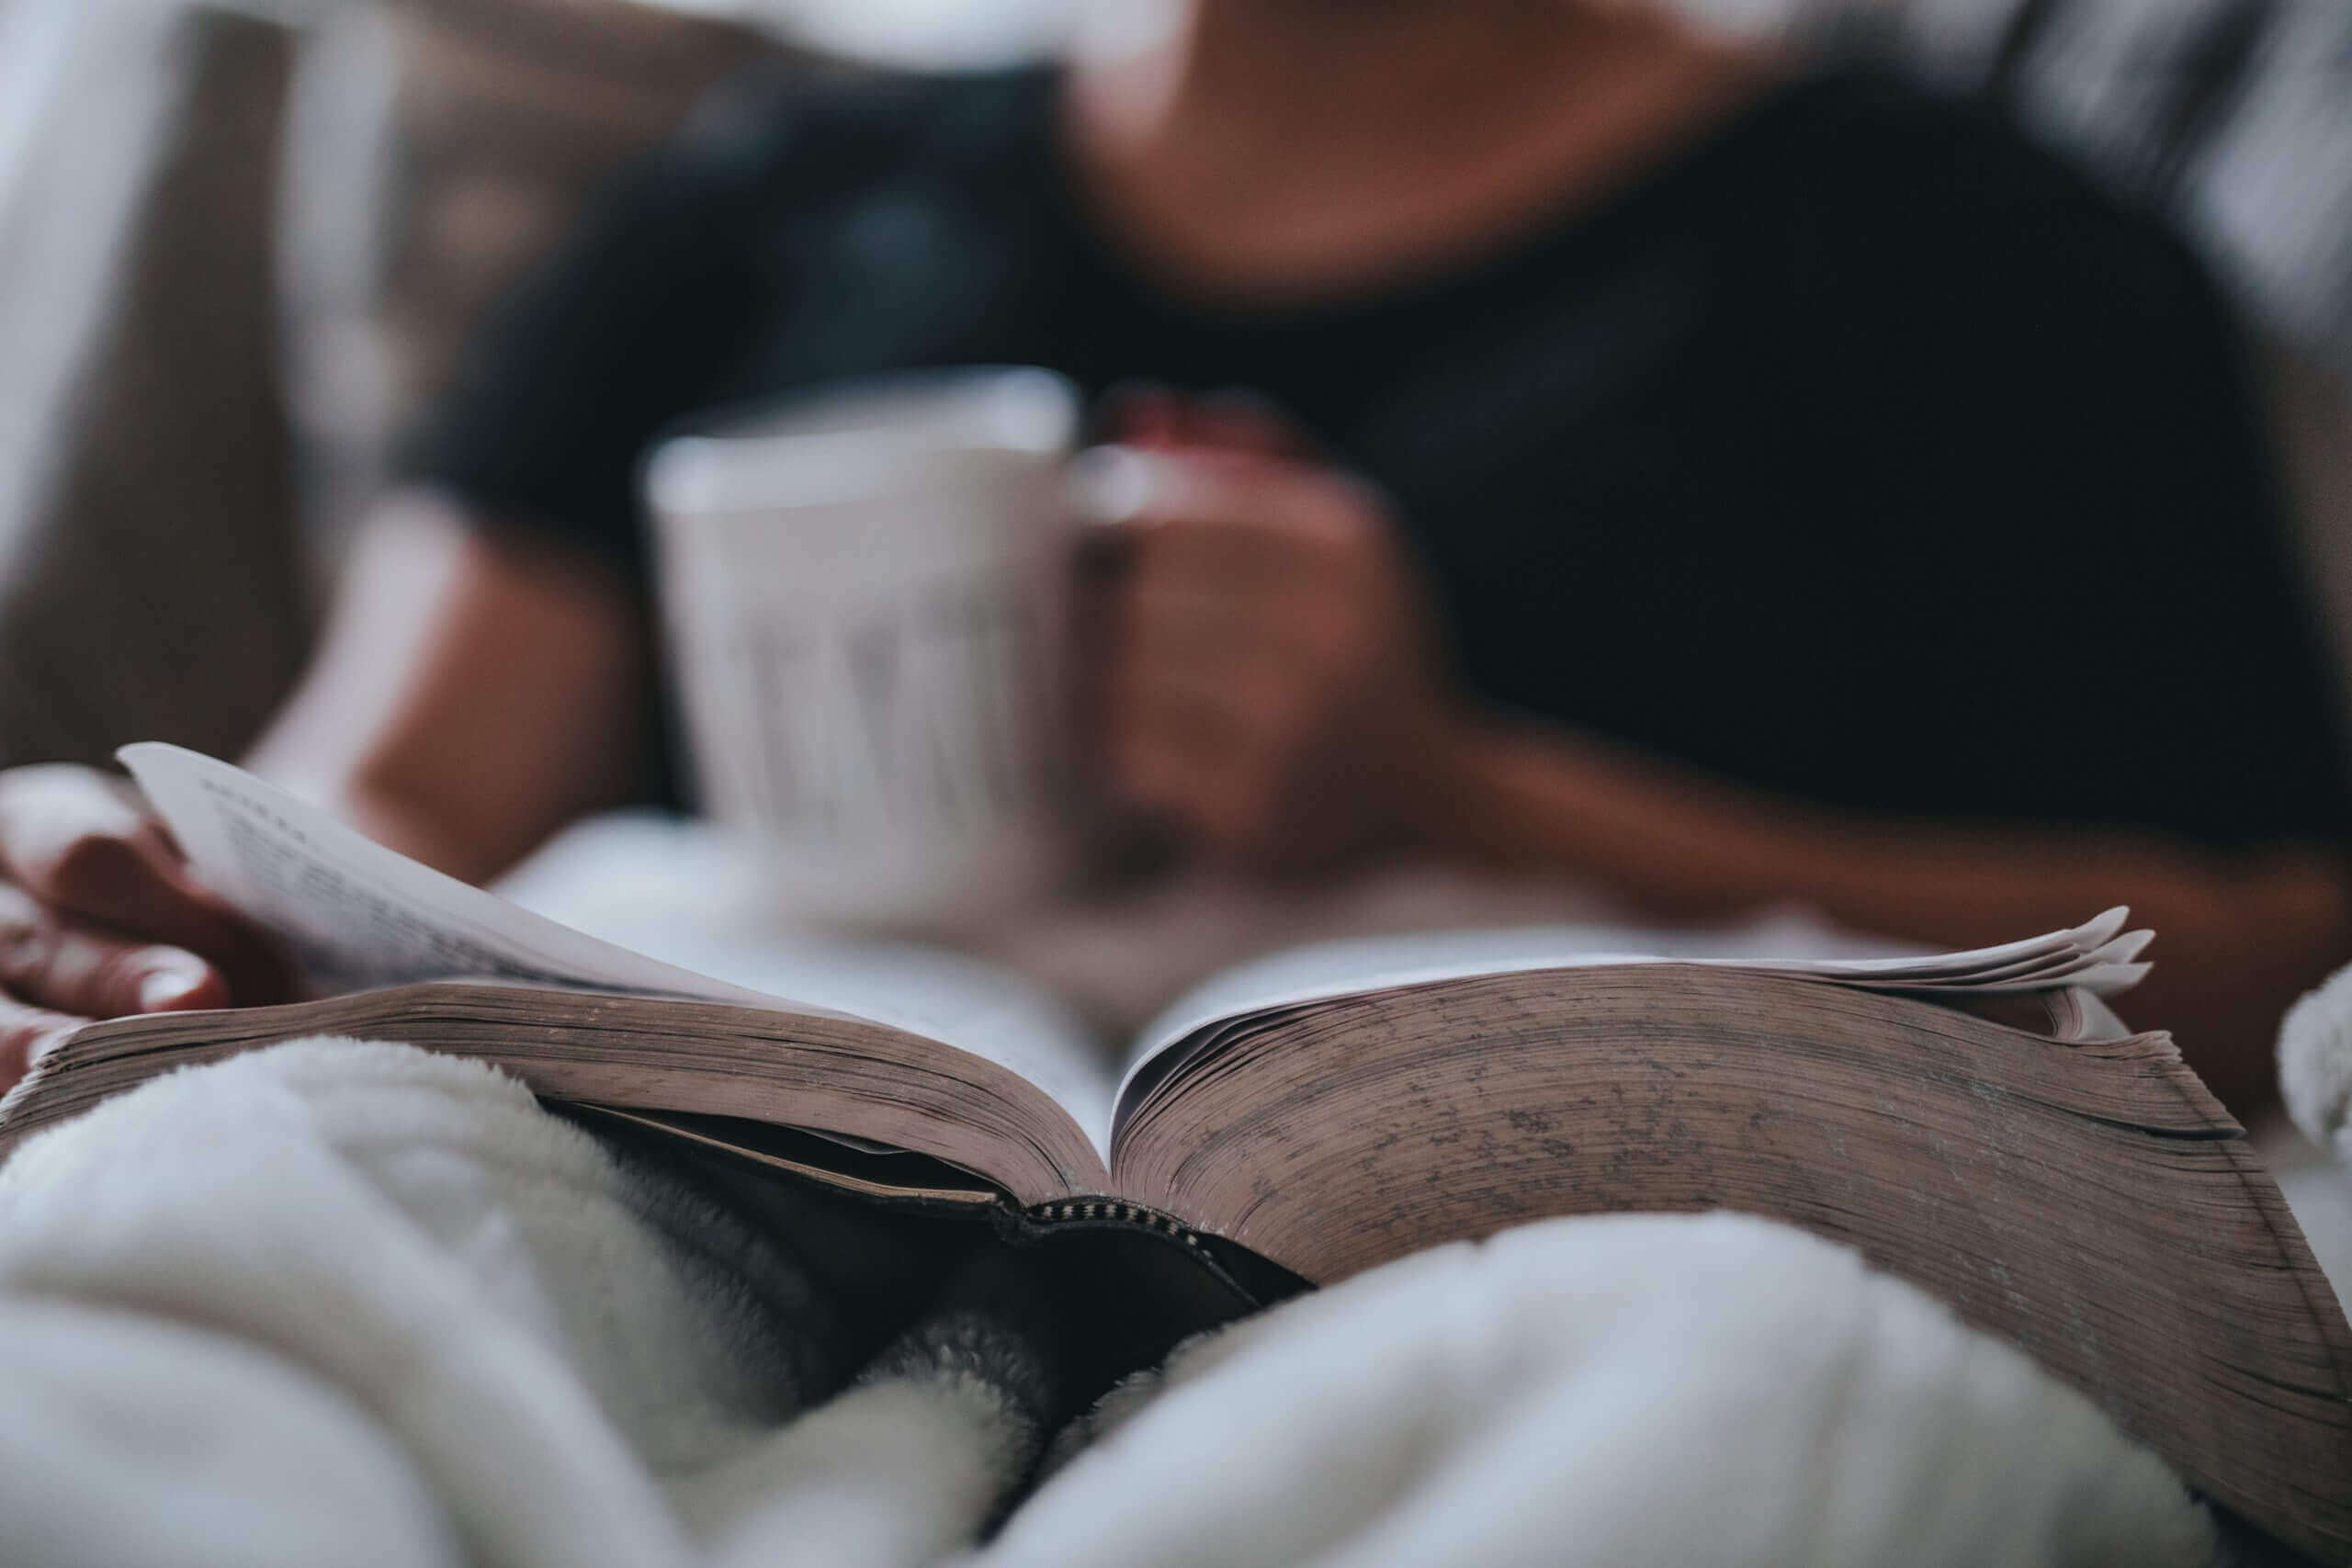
x=149, y=584
x=165, y=501
x=442, y=147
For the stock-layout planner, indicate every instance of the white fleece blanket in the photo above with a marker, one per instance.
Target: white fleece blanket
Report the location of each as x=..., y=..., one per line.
x=349, y=1303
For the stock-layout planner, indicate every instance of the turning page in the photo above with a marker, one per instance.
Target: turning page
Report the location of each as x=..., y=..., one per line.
x=358, y=915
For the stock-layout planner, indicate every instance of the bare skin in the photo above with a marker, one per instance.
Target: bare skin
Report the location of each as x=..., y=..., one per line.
x=1269, y=682
x=1308, y=148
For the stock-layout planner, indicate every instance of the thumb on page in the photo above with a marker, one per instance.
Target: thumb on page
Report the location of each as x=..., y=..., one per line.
x=80, y=845
x=55, y=962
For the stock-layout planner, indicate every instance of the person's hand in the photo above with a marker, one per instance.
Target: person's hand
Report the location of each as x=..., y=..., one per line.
x=1266, y=673
x=99, y=917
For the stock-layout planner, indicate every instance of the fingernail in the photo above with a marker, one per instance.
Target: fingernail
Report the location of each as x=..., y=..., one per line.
x=171, y=980
x=1114, y=484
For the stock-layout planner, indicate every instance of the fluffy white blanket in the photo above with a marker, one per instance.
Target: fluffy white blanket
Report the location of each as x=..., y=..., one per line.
x=2315, y=1064
x=358, y=1305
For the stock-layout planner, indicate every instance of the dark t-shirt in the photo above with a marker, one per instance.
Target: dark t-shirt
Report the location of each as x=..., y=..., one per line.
x=1859, y=453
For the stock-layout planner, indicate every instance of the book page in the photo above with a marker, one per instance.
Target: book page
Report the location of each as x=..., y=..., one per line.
x=682, y=892
x=2097, y=958
x=358, y=915
x=975, y=1007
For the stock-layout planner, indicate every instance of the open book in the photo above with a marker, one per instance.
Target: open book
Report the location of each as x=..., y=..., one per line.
x=1978, y=1123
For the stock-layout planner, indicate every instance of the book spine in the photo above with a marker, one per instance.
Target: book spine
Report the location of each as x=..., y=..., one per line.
x=1106, y=1211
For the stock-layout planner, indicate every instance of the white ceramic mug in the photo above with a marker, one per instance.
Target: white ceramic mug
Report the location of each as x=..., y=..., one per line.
x=866, y=596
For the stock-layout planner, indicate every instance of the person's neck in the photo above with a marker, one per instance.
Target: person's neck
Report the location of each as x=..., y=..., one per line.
x=1289, y=148
x=1323, y=73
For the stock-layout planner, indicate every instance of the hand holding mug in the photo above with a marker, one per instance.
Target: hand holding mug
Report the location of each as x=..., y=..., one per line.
x=1267, y=674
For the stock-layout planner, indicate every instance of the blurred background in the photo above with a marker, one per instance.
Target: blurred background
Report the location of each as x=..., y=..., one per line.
x=240, y=243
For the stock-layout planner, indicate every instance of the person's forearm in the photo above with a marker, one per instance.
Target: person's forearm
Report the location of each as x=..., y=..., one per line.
x=404, y=562
x=2239, y=936
x=471, y=697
